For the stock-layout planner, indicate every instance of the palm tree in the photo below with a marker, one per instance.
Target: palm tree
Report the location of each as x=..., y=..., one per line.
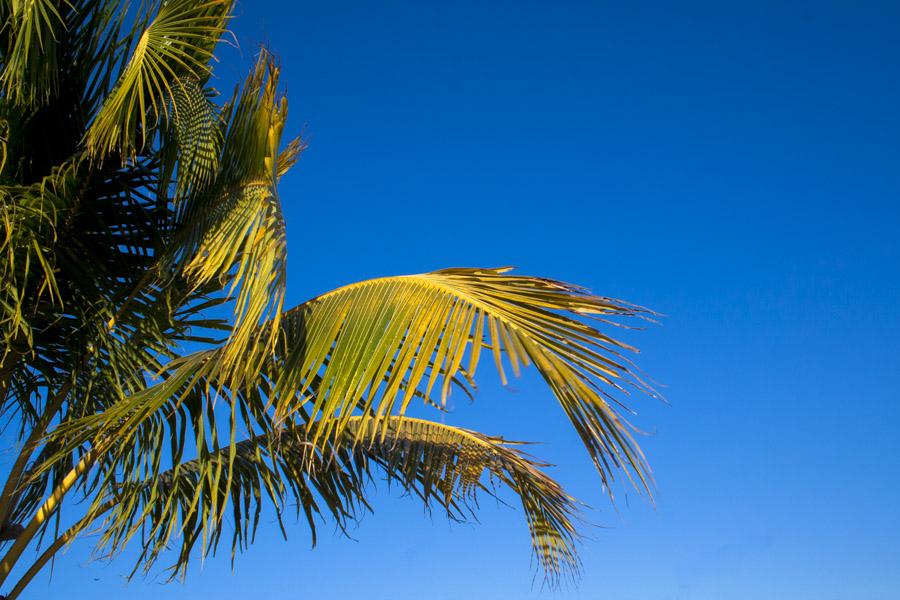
x=154, y=381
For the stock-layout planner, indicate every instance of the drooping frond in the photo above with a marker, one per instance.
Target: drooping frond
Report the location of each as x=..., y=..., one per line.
x=442, y=465
x=190, y=502
x=373, y=345
x=177, y=43
x=448, y=464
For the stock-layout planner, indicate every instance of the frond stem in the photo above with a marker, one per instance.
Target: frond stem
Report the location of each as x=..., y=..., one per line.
x=10, y=491
x=56, y=546
x=44, y=512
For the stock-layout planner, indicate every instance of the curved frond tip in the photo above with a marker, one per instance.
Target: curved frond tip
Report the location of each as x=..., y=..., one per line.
x=449, y=464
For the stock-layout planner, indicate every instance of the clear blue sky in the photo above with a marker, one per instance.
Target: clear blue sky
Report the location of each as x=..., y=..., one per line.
x=735, y=166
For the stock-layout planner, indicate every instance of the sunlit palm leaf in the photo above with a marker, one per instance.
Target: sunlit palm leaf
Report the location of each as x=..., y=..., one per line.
x=179, y=42
x=239, y=223
x=373, y=345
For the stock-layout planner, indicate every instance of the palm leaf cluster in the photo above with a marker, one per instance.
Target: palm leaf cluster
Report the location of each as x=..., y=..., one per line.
x=159, y=389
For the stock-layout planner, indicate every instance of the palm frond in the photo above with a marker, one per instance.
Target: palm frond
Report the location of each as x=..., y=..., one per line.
x=373, y=345
x=249, y=234
x=31, y=73
x=197, y=135
x=441, y=465
x=177, y=43
x=449, y=464
x=236, y=232
x=189, y=502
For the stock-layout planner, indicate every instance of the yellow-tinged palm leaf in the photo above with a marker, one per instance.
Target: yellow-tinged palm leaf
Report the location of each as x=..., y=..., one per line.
x=243, y=226
x=251, y=235
x=374, y=345
x=289, y=155
x=179, y=42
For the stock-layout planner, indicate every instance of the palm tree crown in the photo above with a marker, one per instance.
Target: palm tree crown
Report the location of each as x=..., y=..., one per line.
x=137, y=210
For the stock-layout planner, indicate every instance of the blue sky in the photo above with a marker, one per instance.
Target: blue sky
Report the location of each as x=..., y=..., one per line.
x=735, y=166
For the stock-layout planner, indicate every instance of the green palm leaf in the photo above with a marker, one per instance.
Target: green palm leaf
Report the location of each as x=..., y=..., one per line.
x=30, y=72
